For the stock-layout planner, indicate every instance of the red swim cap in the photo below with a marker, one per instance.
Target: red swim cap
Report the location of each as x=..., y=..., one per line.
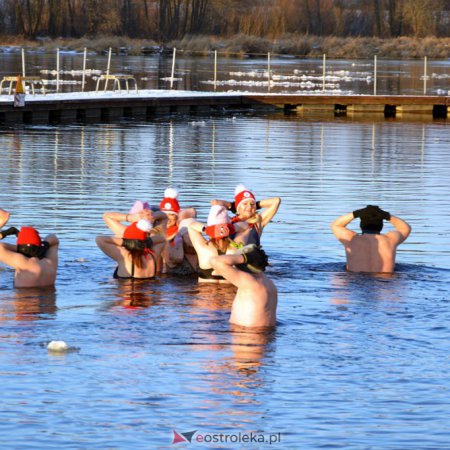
x=28, y=235
x=138, y=230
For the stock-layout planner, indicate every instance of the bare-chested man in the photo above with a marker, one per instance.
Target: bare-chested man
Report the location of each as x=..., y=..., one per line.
x=35, y=261
x=370, y=251
x=255, y=303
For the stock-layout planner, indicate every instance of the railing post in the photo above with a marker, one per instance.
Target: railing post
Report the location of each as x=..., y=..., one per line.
x=268, y=71
x=323, y=71
x=173, y=67
x=84, y=70
x=375, y=75
x=215, y=69
x=108, y=68
x=57, y=70
x=425, y=76
x=23, y=62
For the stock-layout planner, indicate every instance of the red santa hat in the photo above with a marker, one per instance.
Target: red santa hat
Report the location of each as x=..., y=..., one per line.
x=218, y=225
x=28, y=236
x=169, y=204
x=138, y=230
x=241, y=193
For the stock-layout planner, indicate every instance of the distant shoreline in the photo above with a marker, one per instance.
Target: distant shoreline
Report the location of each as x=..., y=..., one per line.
x=300, y=46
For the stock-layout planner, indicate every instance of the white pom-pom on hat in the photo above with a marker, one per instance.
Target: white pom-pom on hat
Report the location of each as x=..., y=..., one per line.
x=171, y=193
x=144, y=225
x=239, y=188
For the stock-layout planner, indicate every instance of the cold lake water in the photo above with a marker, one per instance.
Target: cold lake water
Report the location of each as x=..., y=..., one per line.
x=355, y=361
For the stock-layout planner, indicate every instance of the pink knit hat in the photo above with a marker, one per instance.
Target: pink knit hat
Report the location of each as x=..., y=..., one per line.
x=169, y=204
x=138, y=207
x=218, y=224
x=241, y=193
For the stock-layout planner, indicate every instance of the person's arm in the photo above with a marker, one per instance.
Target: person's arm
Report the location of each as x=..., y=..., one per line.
x=270, y=206
x=224, y=265
x=229, y=205
x=402, y=230
x=52, y=240
x=195, y=233
x=110, y=246
x=158, y=239
x=113, y=221
x=10, y=257
x=4, y=217
x=187, y=213
x=338, y=227
x=11, y=231
x=159, y=222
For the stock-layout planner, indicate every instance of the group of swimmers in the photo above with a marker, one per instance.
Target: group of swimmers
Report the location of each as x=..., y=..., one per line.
x=168, y=239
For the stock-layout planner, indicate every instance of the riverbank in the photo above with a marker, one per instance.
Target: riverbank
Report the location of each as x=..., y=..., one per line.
x=302, y=46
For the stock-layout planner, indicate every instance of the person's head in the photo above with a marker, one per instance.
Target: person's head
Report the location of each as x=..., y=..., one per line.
x=137, y=241
x=30, y=244
x=371, y=220
x=169, y=205
x=244, y=202
x=219, y=227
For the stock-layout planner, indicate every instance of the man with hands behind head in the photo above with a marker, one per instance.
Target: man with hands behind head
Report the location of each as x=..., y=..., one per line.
x=370, y=251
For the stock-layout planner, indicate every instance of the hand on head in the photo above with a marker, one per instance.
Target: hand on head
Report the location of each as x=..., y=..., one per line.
x=255, y=258
x=8, y=232
x=146, y=214
x=372, y=212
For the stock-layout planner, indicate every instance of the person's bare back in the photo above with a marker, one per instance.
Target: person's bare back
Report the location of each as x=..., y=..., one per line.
x=35, y=272
x=255, y=303
x=35, y=261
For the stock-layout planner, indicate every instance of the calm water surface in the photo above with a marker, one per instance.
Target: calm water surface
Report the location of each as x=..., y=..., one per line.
x=356, y=361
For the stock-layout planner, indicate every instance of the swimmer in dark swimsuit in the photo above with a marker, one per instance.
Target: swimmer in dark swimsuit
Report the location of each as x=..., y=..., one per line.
x=246, y=206
x=136, y=252
x=220, y=231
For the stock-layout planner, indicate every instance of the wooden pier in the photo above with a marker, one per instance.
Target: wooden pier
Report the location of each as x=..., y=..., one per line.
x=97, y=107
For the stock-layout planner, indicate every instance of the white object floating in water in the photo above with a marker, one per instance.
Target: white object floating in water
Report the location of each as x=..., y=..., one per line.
x=57, y=346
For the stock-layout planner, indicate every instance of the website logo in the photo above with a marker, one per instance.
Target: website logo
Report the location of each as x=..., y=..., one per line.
x=183, y=437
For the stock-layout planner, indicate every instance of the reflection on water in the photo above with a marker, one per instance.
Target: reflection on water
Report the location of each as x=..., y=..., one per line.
x=29, y=304
x=352, y=354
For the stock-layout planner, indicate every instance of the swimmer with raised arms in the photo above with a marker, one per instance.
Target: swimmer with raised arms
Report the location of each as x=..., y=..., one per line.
x=134, y=247
x=370, y=251
x=246, y=208
x=35, y=260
